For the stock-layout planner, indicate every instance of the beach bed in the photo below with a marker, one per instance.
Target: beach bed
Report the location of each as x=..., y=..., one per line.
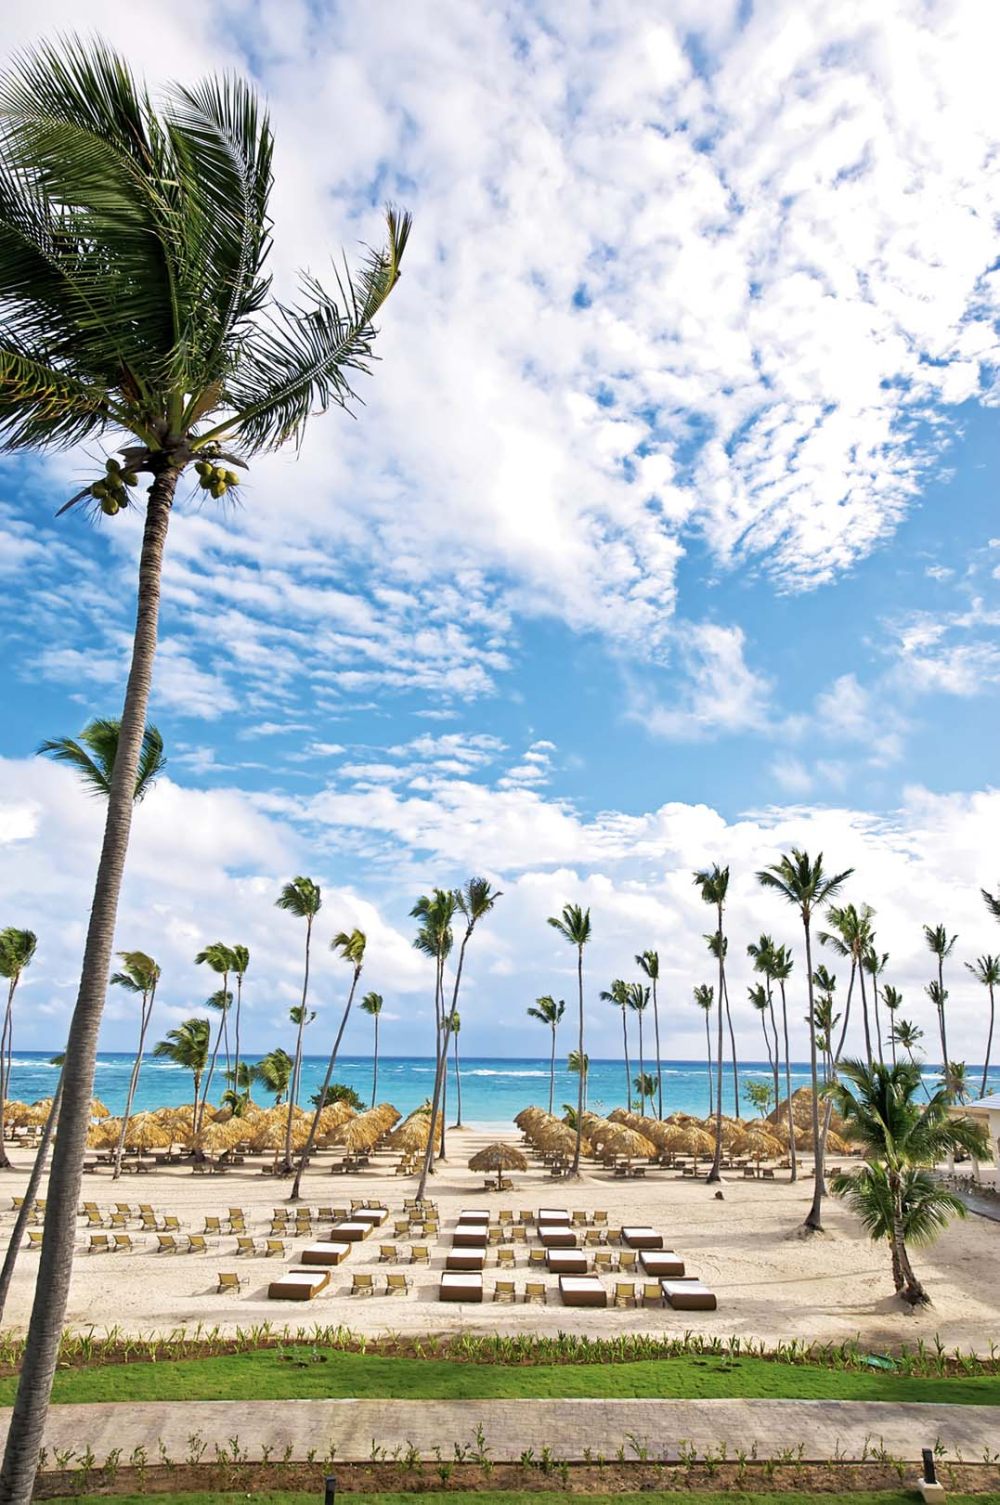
x=465, y=1259
x=471, y=1215
x=298, y=1285
x=552, y=1215
x=566, y=1261
x=376, y=1216
x=350, y=1233
x=582, y=1290
x=460, y=1287
x=469, y=1237
x=661, y=1262
x=324, y=1254
x=688, y=1295
x=557, y=1236
x=642, y=1237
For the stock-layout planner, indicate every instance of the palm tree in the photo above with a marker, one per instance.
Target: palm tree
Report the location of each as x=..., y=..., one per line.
x=895, y=1193
x=618, y=995
x=274, y=1073
x=139, y=976
x=221, y=960
x=547, y=1011
x=434, y=939
x=649, y=961
x=350, y=946
x=940, y=944
x=893, y=999
x=704, y=996
x=93, y=755
x=240, y=966
x=908, y=1036
x=758, y=1001
x=762, y=954
x=875, y=965
x=825, y=985
x=638, y=1002
x=237, y=1094
x=221, y=1001
x=371, y=1005
x=304, y=899
x=986, y=969
x=17, y=948
x=454, y=1029
x=851, y=936
x=574, y=926
x=645, y=1085
x=782, y=965
x=802, y=882
x=134, y=240
x=188, y=1046
x=714, y=885
x=573, y=1064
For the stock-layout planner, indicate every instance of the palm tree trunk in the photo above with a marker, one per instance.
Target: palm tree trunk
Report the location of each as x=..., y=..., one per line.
x=375, y=1065
x=878, y=1022
x=5, y=1161
x=575, y=1171
x=443, y=1109
x=642, y=1072
x=55, y=1266
x=628, y=1065
x=427, y=1166
x=715, y=1171
x=659, y=1068
x=293, y=1086
x=776, y=1059
x=941, y=1024
x=989, y=1045
x=814, y=1220
x=458, y=1086
x=708, y=1058
x=236, y=1035
x=794, y=1175
x=552, y=1071
x=864, y=1013
x=437, y=1106
x=732, y=1044
x=211, y=1068
x=910, y=1288
x=307, y=1149
x=144, y=1018
x=27, y=1206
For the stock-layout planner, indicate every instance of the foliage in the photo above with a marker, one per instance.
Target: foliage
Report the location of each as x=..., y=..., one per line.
x=339, y=1092
x=93, y=755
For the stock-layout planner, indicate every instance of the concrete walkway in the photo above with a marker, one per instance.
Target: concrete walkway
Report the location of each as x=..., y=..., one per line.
x=846, y=1430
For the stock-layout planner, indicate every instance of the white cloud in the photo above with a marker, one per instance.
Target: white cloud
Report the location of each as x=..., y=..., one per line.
x=720, y=692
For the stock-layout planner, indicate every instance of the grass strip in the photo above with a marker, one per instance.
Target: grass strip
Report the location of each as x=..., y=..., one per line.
x=268, y=1374
x=540, y=1497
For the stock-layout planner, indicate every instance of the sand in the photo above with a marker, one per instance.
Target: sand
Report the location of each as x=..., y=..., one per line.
x=771, y=1285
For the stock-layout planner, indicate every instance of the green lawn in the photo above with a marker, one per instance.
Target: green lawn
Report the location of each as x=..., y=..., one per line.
x=264, y=1375
x=541, y=1497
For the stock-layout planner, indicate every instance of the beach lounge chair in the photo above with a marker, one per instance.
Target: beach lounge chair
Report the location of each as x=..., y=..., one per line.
x=397, y=1284
x=125, y=1208
x=534, y=1290
x=274, y=1246
x=431, y=1227
x=420, y=1254
x=122, y=1243
x=518, y=1235
x=34, y=1238
x=625, y=1293
x=228, y=1281
x=148, y=1223
x=579, y=1219
x=197, y=1243
x=504, y=1290
x=278, y=1226
x=505, y=1215
x=505, y=1259
x=602, y=1261
x=166, y=1244
x=537, y=1257
x=627, y=1259
x=652, y=1295
x=329, y=1253
x=400, y=1229
x=688, y=1296
x=387, y=1254
x=88, y=1206
x=613, y=1236
x=526, y=1216
x=245, y=1245
x=94, y=1219
x=592, y=1238
x=116, y=1220
x=212, y=1225
x=495, y=1235
x=171, y=1223
x=600, y=1219
x=363, y=1285
x=324, y=1212
x=582, y=1290
x=298, y=1285
x=459, y=1286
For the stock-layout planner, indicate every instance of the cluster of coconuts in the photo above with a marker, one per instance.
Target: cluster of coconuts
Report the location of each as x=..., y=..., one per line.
x=111, y=489
x=215, y=478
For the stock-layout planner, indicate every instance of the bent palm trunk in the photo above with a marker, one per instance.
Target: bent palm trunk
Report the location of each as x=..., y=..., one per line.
x=147, y=1010
x=659, y=1067
x=307, y=1148
x=56, y=1258
x=27, y=1206
x=814, y=1220
x=575, y=1173
x=794, y=1174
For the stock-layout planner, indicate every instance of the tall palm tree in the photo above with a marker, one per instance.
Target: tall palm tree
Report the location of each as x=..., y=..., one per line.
x=704, y=996
x=434, y=939
x=713, y=883
x=825, y=985
x=237, y=1094
x=851, y=936
x=371, y=1005
x=274, y=1073
x=909, y=1037
x=133, y=246
x=802, y=882
x=139, y=976
x=221, y=1001
x=304, y=899
x=758, y=1001
x=895, y=1193
x=762, y=954
x=188, y=1046
x=638, y=1002
x=17, y=948
x=221, y=960
x=986, y=969
x=93, y=754
x=241, y=965
x=574, y=926
x=893, y=1000
x=649, y=961
x=350, y=947
x=573, y=1063
x=618, y=995
x=547, y=1011
x=875, y=965
x=940, y=944
x=645, y=1085
x=782, y=965
x=455, y=1029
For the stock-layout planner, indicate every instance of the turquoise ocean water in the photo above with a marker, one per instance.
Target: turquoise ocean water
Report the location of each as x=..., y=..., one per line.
x=493, y=1088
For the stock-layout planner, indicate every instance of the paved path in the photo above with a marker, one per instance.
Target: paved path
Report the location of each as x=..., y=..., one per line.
x=825, y=1429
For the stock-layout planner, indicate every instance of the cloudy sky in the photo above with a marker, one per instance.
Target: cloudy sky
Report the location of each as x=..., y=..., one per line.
x=666, y=533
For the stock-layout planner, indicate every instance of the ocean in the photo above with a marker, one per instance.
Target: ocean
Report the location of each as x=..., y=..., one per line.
x=494, y=1088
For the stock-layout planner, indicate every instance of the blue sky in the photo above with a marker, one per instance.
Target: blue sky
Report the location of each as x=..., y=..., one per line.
x=666, y=534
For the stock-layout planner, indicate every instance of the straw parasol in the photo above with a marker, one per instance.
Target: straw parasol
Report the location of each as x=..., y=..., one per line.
x=98, y=1110
x=499, y=1158
x=629, y=1143
x=758, y=1143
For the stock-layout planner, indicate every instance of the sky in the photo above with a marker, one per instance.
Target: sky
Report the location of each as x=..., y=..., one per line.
x=664, y=535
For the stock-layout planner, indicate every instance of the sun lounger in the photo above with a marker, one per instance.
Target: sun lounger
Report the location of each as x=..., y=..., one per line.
x=552, y=1215
x=465, y=1259
x=460, y=1287
x=582, y=1290
x=324, y=1254
x=566, y=1261
x=298, y=1285
x=688, y=1296
x=662, y=1262
x=642, y=1237
x=557, y=1236
x=352, y=1232
x=469, y=1238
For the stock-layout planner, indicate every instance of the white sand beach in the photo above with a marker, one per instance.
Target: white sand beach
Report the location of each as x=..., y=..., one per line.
x=770, y=1284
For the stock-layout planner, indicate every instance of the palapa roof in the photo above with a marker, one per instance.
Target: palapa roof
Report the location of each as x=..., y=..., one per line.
x=499, y=1157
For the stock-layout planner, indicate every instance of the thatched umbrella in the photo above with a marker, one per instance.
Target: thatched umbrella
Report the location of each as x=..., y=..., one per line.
x=98, y=1110
x=217, y=1137
x=694, y=1141
x=556, y=1139
x=499, y=1158
x=629, y=1143
x=758, y=1143
x=619, y=1115
x=144, y=1132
